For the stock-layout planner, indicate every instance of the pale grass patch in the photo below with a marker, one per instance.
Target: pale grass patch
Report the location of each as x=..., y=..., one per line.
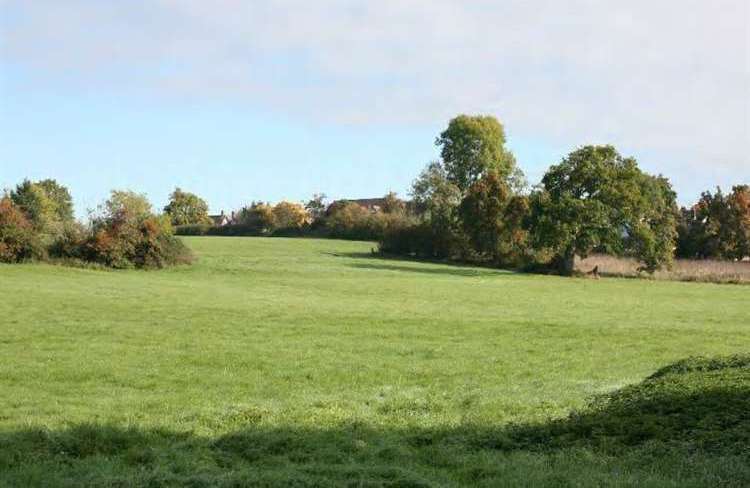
x=682, y=269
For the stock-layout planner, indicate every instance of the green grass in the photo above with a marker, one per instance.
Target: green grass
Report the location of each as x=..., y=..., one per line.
x=313, y=363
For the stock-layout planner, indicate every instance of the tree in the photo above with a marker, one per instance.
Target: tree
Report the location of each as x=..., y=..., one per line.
x=393, y=204
x=436, y=200
x=124, y=205
x=739, y=204
x=717, y=226
x=493, y=218
x=258, y=216
x=471, y=146
x=185, y=208
x=61, y=198
x=288, y=215
x=126, y=233
x=481, y=213
x=47, y=205
x=597, y=200
x=18, y=239
x=316, y=206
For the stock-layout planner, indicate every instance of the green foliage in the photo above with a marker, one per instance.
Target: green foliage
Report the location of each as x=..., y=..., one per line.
x=290, y=216
x=258, y=217
x=18, y=239
x=492, y=220
x=597, y=200
x=185, y=208
x=718, y=226
x=48, y=206
x=472, y=146
x=349, y=220
x=436, y=200
x=126, y=234
x=316, y=207
x=126, y=205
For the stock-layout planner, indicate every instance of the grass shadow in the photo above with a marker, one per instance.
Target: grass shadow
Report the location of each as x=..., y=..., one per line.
x=686, y=425
x=381, y=262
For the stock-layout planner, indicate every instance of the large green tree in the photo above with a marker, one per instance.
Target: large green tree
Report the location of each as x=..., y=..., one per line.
x=472, y=146
x=185, y=208
x=595, y=199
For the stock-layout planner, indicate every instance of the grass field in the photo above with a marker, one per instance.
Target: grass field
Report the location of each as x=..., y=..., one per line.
x=300, y=362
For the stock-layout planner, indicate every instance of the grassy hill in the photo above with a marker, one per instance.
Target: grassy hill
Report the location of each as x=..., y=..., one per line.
x=314, y=363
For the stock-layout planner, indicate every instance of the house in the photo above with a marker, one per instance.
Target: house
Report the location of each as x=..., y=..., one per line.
x=222, y=219
x=371, y=204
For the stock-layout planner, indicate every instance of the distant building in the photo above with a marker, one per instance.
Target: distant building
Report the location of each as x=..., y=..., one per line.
x=222, y=219
x=371, y=204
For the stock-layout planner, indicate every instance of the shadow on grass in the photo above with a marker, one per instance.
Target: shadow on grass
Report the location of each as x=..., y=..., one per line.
x=688, y=424
x=382, y=262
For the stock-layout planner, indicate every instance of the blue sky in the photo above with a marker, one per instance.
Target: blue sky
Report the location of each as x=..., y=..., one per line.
x=275, y=100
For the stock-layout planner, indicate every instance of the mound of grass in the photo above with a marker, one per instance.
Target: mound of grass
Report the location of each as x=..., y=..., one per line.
x=697, y=405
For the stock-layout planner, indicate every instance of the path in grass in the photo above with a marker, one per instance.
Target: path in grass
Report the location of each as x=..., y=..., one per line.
x=313, y=335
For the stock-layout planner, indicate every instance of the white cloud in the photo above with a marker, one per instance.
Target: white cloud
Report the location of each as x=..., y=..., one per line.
x=670, y=78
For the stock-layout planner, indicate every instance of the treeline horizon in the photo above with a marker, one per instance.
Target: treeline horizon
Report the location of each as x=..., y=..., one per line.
x=473, y=204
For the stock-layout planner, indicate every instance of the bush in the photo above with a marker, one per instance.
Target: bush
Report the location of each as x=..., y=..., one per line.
x=415, y=240
x=348, y=220
x=18, y=239
x=68, y=244
x=126, y=234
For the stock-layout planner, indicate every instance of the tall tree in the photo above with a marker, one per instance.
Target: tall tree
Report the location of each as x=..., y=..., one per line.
x=185, y=208
x=471, y=146
x=597, y=200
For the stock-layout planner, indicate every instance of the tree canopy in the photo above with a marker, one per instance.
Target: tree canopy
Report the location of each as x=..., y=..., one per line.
x=47, y=204
x=185, y=208
x=595, y=199
x=473, y=145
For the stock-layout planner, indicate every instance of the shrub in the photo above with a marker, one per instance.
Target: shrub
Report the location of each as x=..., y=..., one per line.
x=126, y=234
x=18, y=239
x=69, y=242
x=258, y=218
x=348, y=220
x=290, y=216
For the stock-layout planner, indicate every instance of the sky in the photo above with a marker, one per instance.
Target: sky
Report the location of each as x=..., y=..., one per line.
x=272, y=99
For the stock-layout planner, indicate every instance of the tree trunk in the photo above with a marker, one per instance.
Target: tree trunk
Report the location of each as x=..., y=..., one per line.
x=567, y=263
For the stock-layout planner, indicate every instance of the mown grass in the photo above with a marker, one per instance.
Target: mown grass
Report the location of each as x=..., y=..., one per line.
x=306, y=362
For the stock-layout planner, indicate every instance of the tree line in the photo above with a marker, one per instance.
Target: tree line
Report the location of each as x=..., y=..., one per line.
x=37, y=223
x=471, y=205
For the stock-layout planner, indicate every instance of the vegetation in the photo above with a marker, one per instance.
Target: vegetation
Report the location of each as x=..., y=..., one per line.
x=471, y=206
x=36, y=222
x=596, y=199
x=718, y=226
x=311, y=362
x=127, y=234
x=185, y=208
x=18, y=240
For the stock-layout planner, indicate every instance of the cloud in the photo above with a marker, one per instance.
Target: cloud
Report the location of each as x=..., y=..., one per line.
x=670, y=79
